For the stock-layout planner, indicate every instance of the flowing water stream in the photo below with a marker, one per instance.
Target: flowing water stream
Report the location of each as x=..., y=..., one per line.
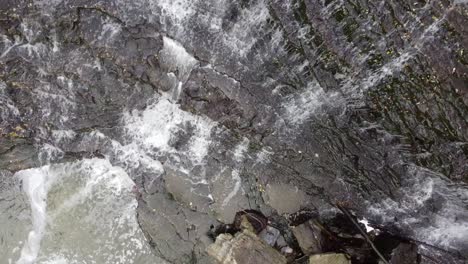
x=216, y=101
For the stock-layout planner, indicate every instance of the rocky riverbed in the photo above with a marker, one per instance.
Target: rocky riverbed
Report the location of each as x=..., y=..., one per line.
x=249, y=131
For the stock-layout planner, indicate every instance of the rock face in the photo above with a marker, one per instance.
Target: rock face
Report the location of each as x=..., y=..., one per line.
x=246, y=248
x=213, y=107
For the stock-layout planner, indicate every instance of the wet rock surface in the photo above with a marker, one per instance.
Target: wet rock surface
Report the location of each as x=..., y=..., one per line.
x=291, y=108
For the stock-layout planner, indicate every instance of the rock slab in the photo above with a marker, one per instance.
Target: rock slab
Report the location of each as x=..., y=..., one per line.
x=309, y=237
x=329, y=259
x=243, y=248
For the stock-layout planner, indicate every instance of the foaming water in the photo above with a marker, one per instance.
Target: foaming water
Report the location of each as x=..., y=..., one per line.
x=446, y=228
x=35, y=184
x=159, y=124
x=177, y=59
x=82, y=212
x=299, y=108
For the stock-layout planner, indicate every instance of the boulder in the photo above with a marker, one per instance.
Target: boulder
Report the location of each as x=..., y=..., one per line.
x=405, y=253
x=309, y=236
x=329, y=259
x=245, y=248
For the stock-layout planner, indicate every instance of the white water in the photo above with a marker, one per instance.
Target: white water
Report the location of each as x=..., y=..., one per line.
x=300, y=107
x=36, y=183
x=235, y=189
x=177, y=59
x=158, y=124
x=90, y=203
x=445, y=228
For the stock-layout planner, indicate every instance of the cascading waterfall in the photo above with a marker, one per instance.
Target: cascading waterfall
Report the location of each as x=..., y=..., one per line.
x=36, y=183
x=130, y=130
x=90, y=205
